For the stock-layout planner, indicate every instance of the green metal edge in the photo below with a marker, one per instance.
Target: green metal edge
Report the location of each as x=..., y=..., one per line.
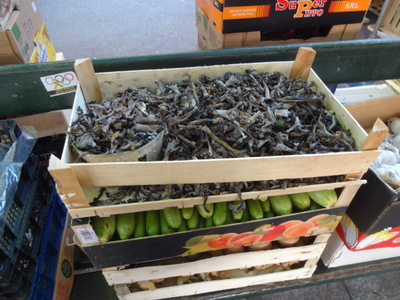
x=22, y=92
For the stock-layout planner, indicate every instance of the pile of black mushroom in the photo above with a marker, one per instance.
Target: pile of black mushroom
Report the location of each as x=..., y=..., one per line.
x=234, y=115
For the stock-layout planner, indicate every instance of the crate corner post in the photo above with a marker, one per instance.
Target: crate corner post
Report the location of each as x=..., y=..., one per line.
x=87, y=80
x=68, y=186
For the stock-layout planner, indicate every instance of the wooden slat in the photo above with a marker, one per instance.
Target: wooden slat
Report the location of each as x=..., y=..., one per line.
x=351, y=32
x=104, y=211
x=220, y=263
x=310, y=254
x=366, y=112
x=47, y=124
x=67, y=183
x=376, y=135
x=347, y=195
x=394, y=85
x=391, y=19
x=332, y=104
x=218, y=285
x=222, y=170
x=302, y=64
x=87, y=79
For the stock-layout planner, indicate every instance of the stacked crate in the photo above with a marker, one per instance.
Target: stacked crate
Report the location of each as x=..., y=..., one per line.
x=30, y=228
x=74, y=179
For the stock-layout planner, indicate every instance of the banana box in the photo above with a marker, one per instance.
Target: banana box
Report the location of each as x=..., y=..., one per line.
x=192, y=242
x=370, y=229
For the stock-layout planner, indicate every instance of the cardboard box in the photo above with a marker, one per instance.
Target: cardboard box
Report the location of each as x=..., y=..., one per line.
x=371, y=227
x=64, y=277
x=240, y=16
x=375, y=207
x=337, y=254
x=18, y=38
x=210, y=38
x=136, y=250
x=44, y=48
x=6, y=7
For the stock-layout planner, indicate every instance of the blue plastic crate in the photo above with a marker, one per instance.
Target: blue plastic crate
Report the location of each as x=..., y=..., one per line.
x=21, y=244
x=19, y=212
x=44, y=282
x=9, y=132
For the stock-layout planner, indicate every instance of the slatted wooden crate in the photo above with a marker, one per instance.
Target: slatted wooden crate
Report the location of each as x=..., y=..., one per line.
x=376, y=6
x=73, y=178
x=307, y=255
x=349, y=187
x=390, y=24
x=137, y=250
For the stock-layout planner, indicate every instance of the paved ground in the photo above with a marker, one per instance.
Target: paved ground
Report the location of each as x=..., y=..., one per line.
x=100, y=29
x=120, y=28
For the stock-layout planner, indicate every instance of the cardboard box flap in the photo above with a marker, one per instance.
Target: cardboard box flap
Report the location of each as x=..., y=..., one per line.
x=371, y=203
x=390, y=217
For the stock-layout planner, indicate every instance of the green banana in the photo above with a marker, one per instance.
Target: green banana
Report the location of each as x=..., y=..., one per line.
x=237, y=216
x=255, y=209
x=206, y=211
x=152, y=223
x=193, y=222
x=325, y=198
x=246, y=215
x=173, y=216
x=300, y=201
x=140, y=226
x=125, y=225
x=220, y=213
x=164, y=227
x=187, y=212
x=281, y=205
x=183, y=226
x=266, y=206
x=314, y=205
x=104, y=227
x=269, y=214
x=208, y=223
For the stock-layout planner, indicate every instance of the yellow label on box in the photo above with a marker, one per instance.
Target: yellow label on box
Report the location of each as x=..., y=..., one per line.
x=44, y=50
x=246, y=12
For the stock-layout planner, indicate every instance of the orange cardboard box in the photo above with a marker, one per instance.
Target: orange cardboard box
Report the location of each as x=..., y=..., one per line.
x=232, y=16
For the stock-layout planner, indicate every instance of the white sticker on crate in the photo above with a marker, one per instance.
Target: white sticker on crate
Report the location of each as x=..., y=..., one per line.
x=60, y=84
x=86, y=234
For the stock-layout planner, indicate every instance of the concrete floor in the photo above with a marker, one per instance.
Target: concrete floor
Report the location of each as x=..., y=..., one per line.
x=101, y=29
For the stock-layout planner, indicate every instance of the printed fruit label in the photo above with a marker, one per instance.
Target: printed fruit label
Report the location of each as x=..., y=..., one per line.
x=355, y=240
x=319, y=224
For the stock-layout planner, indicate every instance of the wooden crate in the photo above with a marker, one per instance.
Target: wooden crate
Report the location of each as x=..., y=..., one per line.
x=390, y=24
x=47, y=124
x=72, y=178
x=309, y=254
x=349, y=187
x=376, y=6
x=137, y=250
